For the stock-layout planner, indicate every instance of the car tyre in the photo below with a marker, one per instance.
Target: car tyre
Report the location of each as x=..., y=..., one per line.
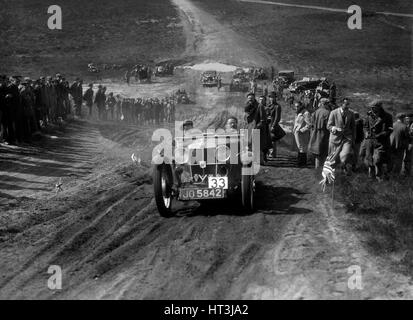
x=162, y=184
x=248, y=192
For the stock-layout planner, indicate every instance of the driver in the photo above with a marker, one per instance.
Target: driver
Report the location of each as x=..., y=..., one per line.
x=188, y=126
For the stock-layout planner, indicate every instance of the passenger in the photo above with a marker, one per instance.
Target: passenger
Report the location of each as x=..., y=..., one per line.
x=231, y=126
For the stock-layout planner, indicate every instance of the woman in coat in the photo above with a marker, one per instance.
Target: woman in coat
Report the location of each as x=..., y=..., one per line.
x=319, y=133
x=301, y=132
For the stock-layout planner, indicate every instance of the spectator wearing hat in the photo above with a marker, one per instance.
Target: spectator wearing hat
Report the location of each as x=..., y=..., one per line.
x=399, y=143
x=408, y=155
x=342, y=127
x=14, y=111
x=262, y=125
x=88, y=98
x=250, y=108
x=100, y=100
x=358, y=139
x=111, y=102
x=378, y=130
x=52, y=88
x=333, y=93
x=301, y=132
x=76, y=91
x=27, y=99
x=60, y=96
x=319, y=137
x=273, y=110
x=3, y=112
x=256, y=118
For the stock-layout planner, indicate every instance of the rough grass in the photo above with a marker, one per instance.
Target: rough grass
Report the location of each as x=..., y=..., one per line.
x=383, y=214
x=104, y=32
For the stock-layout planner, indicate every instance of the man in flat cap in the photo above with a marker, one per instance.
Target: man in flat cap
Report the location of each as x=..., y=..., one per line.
x=399, y=143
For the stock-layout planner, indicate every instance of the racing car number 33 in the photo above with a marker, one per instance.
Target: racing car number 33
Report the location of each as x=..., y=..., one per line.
x=218, y=183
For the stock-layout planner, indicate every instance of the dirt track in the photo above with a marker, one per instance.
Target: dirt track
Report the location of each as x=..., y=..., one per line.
x=104, y=231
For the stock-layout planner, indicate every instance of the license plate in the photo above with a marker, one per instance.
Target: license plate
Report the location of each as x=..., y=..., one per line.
x=218, y=182
x=199, y=194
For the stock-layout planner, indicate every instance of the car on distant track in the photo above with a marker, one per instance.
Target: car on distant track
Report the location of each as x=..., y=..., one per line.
x=240, y=81
x=209, y=79
x=285, y=78
x=205, y=171
x=239, y=85
x=165, y=69
x=305, y=84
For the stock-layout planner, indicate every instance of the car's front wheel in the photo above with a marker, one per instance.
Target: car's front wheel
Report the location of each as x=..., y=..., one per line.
x=162, y=184
x=248, y=192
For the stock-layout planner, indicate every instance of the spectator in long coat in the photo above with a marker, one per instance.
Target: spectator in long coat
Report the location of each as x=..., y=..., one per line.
x=320, y=135
x=76, y=92
x=274, y=116
x=358, y=139
x=378, y=125
x=399, y=143
x=88, y=98
x=301, y=132
x=342, y=127
x=408, y=155
x=100, y=100
x=262, y=125
x=256, y=118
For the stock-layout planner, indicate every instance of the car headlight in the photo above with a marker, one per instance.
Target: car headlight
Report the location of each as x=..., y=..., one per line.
x=223, y=153
x=182, y=155
x=246, y=157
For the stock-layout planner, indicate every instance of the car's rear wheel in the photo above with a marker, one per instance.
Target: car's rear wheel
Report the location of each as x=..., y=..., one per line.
x=162, y=184
x=248, y=192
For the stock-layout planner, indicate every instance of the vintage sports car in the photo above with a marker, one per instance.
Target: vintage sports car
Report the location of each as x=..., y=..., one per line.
x=164, y=70
x=285, y=78
x=240, y=81
x=205, y=167
x=209, y=79
x=239, y=85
